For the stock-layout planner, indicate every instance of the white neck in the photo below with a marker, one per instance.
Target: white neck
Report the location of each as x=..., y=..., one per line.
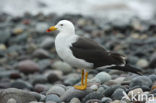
x=71, y=32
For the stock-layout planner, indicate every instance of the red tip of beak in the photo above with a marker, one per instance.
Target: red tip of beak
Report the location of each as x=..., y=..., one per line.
x=48, y=30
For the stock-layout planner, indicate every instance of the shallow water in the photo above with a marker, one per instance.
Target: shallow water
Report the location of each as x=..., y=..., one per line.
x=111, y=9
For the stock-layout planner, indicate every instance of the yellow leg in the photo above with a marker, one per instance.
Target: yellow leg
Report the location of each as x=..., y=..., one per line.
x=86, y=77
x=83, y=86
x=82, y=77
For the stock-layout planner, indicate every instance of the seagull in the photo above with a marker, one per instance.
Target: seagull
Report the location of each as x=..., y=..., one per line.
x=85, y=53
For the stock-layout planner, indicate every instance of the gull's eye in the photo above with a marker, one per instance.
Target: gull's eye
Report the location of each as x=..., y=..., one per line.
x=61, y=24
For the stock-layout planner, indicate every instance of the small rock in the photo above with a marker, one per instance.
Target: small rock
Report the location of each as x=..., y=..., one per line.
x=133, y=60
x=93, y=101
x=152, y=77
x=95, y=80
x=44, y=64
x=103, y=77
x=58, y=90
x=72, y=79
x=38, y=96
x=41, y=27
x=4, y=36
x=64, y=67
x=11, y=100
x=41, y=54
x=53, y=77
x=20, y=84
x=20, y=38
x=72, y=92
x=2, y=47
x=38, y=79
x=17, y=31
x=47, y=43
x=5, y=83
x=21, y=96
x=11, y=73
x=135, y=35
x=75, y=100
x=137, y=91
x=53, y=97
x=109, y=91
x=15, y=75
x=94, y=87
x=118, y=94
x=140, y=82
x=35, y=102
x=153, y=61
x=51, y=102
x=102, y=89
x=142, y=63
x=40, y=88
x=106, y=100
x=118, y=80
x=93, y=95
x=116, y=101
x=28, y=66
x=153, y=86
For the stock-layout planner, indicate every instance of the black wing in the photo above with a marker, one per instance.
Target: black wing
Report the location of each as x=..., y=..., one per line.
x=91, y=52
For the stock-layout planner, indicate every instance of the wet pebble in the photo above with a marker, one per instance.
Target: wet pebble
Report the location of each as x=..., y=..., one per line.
x=106, y=100
x=72, y=92
x=116, y=101
x=20, y=96
x=72, y=79
x=17, y=30
x=5, y=83
x=94, y=87
x=47, y=43
x=35, y=102
x=21, y=84
x=38, y=79
x=152, y=77
x=40, y=88
x=93, y=95
x=28, y=66
x=11, y=100
x=102, y=89
x=2, y=47
x=118, y=94
x=53, y=77
x=103, y=77
x=44, y=64
x=140, y=82
x=109, y=91
x=136, y=91
x=5, y=35
x=41, y=53
x=15, y=75
x=64, y=67
x=41, y=27
x=142, y=63
x=93, y=101
x=153, y=61
x=75, y=100
x=58, y=90
x=53, y=97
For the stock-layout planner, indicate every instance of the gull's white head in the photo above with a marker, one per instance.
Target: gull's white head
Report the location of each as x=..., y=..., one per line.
x=63, y=26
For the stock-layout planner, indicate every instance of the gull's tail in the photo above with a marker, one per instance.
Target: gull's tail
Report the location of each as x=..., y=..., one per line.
x=127, y=68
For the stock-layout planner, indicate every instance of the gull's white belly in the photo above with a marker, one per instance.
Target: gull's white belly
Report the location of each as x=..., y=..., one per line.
x=62, y=45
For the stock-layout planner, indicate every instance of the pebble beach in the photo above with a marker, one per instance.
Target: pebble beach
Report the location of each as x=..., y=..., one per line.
x=32, y=72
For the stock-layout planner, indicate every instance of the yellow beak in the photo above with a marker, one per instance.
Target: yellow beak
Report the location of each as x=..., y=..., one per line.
x=52, y=28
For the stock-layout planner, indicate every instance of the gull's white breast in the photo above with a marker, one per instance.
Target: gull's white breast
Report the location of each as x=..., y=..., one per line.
x=62, y=44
